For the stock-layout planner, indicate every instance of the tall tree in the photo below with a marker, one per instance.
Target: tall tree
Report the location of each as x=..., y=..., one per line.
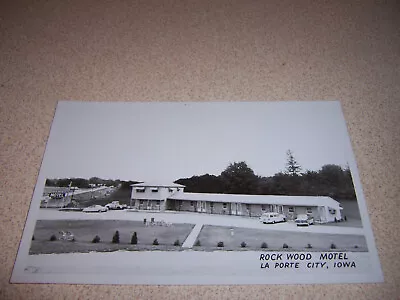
x=239, y=178
x=292, y=167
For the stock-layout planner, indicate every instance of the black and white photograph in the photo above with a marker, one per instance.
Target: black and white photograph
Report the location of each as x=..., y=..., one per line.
x=198, y=193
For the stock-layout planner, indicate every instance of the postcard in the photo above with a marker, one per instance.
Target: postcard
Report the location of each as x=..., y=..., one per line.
x=198, y=193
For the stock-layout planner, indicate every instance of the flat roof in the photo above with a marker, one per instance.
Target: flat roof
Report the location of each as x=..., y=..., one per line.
x=258, y=199
x=157, y=184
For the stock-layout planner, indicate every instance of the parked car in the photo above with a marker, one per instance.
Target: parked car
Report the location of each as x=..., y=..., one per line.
x=95, y=208
x=116, y=205
x=304, y=220
x=272, y=218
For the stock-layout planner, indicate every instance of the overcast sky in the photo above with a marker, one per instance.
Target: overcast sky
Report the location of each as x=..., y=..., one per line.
x=166, y=141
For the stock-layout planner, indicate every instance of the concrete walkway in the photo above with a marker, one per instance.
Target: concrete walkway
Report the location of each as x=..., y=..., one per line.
x=192, y=237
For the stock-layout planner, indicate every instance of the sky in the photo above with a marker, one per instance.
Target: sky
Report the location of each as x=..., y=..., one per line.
x=162, y=142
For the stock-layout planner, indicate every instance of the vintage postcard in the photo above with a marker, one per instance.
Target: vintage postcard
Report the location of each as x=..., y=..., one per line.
x=198, y=193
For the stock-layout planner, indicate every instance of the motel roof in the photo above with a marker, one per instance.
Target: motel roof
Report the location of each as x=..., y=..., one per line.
x=258, y=199
x=157, y=184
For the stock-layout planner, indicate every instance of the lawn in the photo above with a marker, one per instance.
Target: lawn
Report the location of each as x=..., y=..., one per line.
x=85, y=230
x=232, y=237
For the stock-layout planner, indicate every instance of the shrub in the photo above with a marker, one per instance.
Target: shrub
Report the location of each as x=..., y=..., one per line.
x=134, y=238
x=177, y=243
x=264, y=245
x=285, y=246
x=356, y=246
x=309, y=246
x=220, y=244
x=155, y=242
x=33, y=237
x=243, y=245
x=53, y=238
x=115, y=239
x=197, y=243
x=96, y=239
x=333, y=246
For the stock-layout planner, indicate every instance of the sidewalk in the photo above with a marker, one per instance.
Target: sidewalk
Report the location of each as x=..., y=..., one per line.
x=192, y=237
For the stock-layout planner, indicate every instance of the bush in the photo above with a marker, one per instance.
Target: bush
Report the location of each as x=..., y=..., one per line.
x=197, y=243
x=53, y=238
x=285, y=246
x=115, y=239
x=177, y=243
x=220, y=244
x=264, y=245
x=96, y=239
x=333, y=246
x=155, y=242
x=33, y=237
x=356, y=247
x=309, y=246
x=243, y=245
x=134, y=238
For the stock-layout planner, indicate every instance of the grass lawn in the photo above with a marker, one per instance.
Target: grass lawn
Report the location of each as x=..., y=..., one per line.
x=297, y=241
x=85, y=230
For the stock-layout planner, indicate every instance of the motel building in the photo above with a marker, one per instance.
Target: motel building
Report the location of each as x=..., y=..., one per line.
x=171, y=197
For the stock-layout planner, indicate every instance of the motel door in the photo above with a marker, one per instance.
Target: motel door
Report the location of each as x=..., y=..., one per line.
x=277, y=209
x=237, y=209
x=201, y=206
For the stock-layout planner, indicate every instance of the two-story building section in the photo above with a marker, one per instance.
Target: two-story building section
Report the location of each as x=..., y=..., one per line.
x=153, y=196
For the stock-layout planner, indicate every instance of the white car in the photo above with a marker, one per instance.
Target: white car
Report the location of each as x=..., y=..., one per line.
x=116, y=205
x=272, y=218
x=95, y=208
x=304, y=220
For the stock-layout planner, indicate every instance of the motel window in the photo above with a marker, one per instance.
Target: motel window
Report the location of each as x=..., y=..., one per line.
x=140, y=190
x=211, y=205
x=291, y=209
x=154, y=190
x=224, y=205
x=141, y=201
x=263, y=207
x=309, y=210
x=248, y=206
x=171, y=190
x=332, y=210
x=158, y=202
x=191, y=203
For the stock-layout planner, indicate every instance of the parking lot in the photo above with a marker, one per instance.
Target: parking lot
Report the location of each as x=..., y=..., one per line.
x=197, y=218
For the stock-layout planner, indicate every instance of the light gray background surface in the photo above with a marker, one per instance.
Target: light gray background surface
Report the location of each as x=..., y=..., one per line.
x=200, y=51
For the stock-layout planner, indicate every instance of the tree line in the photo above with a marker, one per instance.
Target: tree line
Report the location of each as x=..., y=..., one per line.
x=86, y=183
x=238, y=178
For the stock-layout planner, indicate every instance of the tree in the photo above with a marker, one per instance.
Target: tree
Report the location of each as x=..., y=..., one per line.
x=115, y=239
x=134, y=239
x=292, y=167
x=202, y=184
x=239, y=178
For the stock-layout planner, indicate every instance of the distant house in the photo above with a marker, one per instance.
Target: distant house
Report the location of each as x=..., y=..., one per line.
x=161, y=197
